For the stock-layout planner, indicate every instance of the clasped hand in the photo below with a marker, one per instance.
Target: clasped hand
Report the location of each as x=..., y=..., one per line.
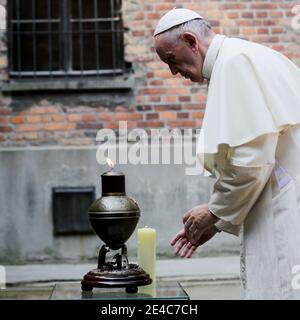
x=198, y=229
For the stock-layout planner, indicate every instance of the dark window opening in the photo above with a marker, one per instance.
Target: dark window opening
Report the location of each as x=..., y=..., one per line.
x=69, y=210
x=69, y=38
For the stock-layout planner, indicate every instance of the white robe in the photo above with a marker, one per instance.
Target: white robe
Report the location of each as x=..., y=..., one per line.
x=251, y=139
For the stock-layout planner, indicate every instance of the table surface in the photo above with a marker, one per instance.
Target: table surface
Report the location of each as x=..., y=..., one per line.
x=72, y=291
x=158, y=290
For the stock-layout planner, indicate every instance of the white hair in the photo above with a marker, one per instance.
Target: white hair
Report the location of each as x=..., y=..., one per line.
x=200, y=27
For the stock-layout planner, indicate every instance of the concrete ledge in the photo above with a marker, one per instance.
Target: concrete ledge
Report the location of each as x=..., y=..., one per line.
x=202, y=269
x=117, y=83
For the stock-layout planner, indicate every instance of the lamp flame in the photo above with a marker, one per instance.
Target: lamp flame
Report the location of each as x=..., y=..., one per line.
x=110, y=163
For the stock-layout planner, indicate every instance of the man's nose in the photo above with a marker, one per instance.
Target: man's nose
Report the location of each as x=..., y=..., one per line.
x=173, y=70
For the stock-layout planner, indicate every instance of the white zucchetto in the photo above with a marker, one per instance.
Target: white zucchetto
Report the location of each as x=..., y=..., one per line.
x=174, y=18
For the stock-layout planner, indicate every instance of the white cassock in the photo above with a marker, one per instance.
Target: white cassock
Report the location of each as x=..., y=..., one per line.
x=250, y=139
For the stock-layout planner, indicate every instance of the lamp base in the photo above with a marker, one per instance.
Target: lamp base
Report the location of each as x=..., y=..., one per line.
x=115, y=274
x=129, y=278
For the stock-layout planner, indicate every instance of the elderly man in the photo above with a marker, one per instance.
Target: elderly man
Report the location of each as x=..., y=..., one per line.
x=250, y=139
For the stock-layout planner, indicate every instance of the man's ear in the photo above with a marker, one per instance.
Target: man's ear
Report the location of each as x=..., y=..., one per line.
x=190, y=39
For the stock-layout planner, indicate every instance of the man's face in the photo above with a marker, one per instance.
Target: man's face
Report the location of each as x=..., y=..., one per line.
x=183, y=57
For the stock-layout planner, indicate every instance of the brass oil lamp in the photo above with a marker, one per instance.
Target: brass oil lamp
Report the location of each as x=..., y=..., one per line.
x=114, y=217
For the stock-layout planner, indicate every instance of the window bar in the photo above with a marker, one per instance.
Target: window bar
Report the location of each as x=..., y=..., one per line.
x=96, y=35
x=81, y=36
x=120, y=38
x=19, y=39
x=49, y=37
x=11, y=36
x=36, y=20
x=62, y=73
x=117, y=30
x=93, y=19
x=61, y=59
x=34, y=37
x=63, y=35
x=70, y=37
x=39, y=32
x=83, y=31
x=112, y=11
x=122, y=45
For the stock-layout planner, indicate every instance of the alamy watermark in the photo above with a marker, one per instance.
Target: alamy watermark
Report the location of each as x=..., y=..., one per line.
x=296, y=19
x=2, y=277
x=296, y=278
x=157, y=146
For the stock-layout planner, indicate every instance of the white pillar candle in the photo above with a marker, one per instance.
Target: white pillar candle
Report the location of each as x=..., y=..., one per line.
x=147, y=251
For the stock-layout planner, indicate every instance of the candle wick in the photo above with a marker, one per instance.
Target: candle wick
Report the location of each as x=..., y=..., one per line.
x=111, y=168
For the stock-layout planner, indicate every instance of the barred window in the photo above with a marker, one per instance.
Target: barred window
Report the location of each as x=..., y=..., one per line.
x=69, y=38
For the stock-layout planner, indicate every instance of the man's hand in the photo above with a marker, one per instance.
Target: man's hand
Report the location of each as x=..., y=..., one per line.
x=196, y=221
x=181, y=242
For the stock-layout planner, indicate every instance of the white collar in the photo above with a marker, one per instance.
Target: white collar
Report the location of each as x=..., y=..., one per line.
x=212, y=54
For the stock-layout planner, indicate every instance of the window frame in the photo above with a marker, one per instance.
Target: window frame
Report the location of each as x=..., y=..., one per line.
x=65, y=43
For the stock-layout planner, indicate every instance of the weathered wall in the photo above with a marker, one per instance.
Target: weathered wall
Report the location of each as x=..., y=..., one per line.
x=164, y=194
x=65, y=118
x=157, y=99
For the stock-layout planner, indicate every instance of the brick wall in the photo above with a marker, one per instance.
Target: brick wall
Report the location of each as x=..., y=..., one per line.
x=158, y=98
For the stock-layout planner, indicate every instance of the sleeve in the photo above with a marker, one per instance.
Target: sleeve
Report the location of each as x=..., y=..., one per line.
x=243, y=174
